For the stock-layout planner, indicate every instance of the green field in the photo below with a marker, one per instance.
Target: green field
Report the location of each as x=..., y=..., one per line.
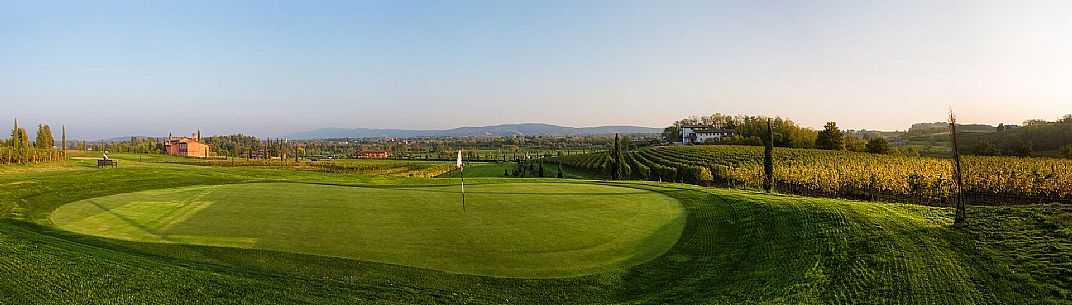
x=735, y=246
x=512, y=230
x=496, y=170
x=482, y=169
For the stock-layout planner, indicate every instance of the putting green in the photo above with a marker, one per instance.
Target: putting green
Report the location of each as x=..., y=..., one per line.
x=509, y=230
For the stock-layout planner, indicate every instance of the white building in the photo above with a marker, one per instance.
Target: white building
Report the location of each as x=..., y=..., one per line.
x=700, y=133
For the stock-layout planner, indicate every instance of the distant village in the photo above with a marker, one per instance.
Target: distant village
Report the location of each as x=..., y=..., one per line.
x=194, y=147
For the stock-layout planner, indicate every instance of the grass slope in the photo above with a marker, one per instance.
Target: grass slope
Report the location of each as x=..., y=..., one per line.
x=511, y=230
x=737, y=247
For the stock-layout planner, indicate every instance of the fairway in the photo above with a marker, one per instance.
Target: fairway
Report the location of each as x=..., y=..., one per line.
x=531, y=230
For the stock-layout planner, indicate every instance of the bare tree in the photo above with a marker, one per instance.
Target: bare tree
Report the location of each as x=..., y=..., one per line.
x=958, y=182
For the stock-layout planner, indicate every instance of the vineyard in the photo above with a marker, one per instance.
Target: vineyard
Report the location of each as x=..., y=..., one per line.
x=987, y=180
x=423, y=169
x=28, y=155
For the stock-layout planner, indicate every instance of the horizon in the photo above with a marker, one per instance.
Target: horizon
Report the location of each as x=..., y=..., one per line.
x=32, y=132
x=114, y=69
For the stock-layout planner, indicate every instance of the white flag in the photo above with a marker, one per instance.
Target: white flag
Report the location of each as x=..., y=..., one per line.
x=460, y=160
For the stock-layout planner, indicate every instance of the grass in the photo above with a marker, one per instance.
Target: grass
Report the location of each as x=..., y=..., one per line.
x=482, y=169
x=424, y=169
x=496, y=170
x=736, y=247
x=509, y=230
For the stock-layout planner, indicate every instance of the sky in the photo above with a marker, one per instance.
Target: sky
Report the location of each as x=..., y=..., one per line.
x=268, y=68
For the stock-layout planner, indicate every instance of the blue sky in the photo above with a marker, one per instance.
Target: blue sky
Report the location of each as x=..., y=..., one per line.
x=115, y=68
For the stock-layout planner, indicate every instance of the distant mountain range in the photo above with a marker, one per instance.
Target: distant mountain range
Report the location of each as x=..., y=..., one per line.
x=530, y=129
x=123, y=139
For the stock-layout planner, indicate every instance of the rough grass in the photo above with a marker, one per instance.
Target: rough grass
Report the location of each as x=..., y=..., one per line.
x=737, y=247
x=509, y=230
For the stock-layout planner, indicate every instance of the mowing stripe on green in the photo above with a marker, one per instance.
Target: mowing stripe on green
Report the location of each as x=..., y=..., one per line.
x=536, y=230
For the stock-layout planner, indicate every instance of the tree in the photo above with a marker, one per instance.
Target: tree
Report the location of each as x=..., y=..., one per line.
x=768, y=159
x=830, y=138
x=1022, y=148
x=23, y=139
x=617, y=162
x=787, y=133
x=983, y=147
x=1066, y=152
x=64, y=138
x=878, y=145
x=44, y=137
x=672, y=133
x=854, y=143
x=959, y=217
x=560, y=175
x=15, y=135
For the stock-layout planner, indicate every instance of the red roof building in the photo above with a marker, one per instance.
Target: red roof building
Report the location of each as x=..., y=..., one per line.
x=187, y=146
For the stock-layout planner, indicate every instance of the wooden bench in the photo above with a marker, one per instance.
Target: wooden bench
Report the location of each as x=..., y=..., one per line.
x=107, y=163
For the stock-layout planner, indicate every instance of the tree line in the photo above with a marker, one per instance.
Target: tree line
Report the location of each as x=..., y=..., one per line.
x=20, y=150
x=751, y=129
x=755, y=130
x=1035, y=137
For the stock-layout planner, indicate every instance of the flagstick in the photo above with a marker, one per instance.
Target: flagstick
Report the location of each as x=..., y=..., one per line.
x=463, y=189
x=461, y=167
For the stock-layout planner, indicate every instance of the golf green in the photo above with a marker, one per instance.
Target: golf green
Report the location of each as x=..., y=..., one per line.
x=530, y=230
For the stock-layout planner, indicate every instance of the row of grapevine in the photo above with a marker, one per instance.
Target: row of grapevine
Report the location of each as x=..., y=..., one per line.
x=849, y=174
x=594, y=162
x=28, y=155
x=645, y=169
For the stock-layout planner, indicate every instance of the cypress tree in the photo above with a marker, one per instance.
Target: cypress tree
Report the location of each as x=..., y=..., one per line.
x=51, y=139
x=15, y=135
x=44, y=137
x=24, y=139
x=64, y=139
x=616, y=171
x=768, y=159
